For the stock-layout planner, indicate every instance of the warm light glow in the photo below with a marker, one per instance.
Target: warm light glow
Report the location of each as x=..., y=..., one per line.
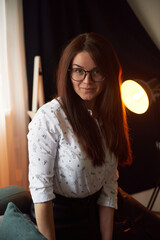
x=134, y=97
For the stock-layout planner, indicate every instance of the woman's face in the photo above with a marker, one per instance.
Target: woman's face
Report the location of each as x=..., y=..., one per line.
x=87, y=89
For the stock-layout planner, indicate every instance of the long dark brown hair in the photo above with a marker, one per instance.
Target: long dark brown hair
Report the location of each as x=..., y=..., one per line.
x=108, y=106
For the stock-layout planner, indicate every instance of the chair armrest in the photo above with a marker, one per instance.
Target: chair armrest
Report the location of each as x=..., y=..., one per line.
x=16, y=194
x=133, y=220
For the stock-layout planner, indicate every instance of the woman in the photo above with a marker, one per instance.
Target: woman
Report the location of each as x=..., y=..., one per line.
x=76, y=142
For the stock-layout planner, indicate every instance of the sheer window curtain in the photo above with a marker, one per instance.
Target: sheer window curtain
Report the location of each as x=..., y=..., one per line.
x=13, y=96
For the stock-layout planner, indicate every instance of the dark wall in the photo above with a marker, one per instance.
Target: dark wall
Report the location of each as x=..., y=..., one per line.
x=50, y=25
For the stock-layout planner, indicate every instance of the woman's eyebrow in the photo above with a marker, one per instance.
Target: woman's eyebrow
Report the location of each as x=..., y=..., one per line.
x=77, y=65
x=83, y=67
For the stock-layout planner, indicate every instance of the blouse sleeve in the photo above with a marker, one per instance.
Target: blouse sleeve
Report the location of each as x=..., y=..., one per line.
x=108, y=196
x=42, y=146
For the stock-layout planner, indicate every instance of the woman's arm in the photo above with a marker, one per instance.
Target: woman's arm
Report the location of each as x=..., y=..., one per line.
x=45, y=219
x=106, y=217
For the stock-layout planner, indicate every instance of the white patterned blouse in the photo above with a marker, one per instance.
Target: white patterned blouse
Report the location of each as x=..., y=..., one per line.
x=58, y=164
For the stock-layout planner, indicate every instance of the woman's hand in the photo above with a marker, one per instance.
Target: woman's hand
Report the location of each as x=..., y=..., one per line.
x=45, y=219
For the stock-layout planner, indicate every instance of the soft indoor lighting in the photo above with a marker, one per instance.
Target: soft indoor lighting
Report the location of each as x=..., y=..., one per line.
x=134, y=97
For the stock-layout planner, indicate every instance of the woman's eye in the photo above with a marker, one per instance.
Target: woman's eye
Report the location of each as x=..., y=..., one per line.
x=79, y=70
x=96, y=72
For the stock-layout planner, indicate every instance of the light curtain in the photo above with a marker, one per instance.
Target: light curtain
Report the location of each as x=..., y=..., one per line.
x=13, y=96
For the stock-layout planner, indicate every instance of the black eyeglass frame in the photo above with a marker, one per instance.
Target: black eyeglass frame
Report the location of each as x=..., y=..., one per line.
x=90, y=72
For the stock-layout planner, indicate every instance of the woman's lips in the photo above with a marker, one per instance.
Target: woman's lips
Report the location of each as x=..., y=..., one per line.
x=88, y=89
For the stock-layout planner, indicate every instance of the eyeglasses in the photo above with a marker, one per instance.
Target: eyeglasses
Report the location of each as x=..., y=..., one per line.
x=79, y=74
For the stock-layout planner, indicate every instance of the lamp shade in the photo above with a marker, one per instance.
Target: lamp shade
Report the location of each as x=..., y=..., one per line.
x=134, y=96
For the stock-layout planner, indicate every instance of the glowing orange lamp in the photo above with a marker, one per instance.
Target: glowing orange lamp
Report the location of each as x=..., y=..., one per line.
x=137, y=95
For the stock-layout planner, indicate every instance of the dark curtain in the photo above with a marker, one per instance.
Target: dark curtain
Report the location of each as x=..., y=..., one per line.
x=50, y=25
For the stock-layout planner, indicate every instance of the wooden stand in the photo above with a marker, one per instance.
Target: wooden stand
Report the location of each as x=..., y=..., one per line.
x=38, y=90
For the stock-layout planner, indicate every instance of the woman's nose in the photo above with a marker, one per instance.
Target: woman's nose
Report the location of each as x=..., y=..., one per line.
x=88, y=78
